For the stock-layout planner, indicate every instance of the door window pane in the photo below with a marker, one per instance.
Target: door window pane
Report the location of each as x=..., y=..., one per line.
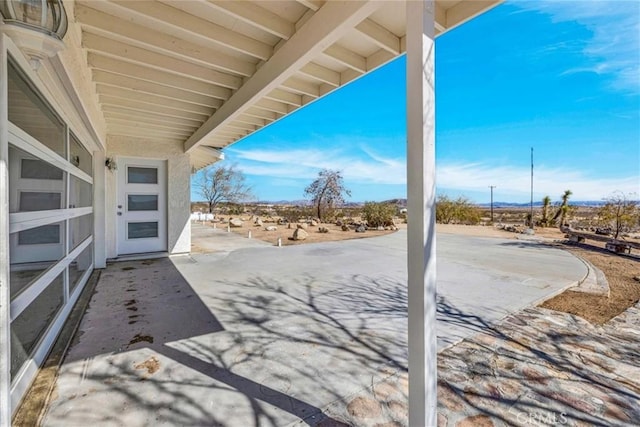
x=79, y=266
x=39, y=201
x=39, y=169
x=32, y=252
x=80, y=193
x=139, y=175
x=33, y=322
x=81, y=227
x=47, y=234
x=80, y=156
x=142, y=202
x=30, y=113
x=34, y=185
x=141, y=230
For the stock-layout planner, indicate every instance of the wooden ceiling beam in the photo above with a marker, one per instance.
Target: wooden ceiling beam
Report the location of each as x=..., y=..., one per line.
x=301, y=87
x=256, y=16
x=110, y=110
x=171, y=19
x=379, y=35
x=148, y=108
x=130, y=118
x=145, y=134
x=322, y=74
x=146, y=125
x=125, y=93
x=143, y=86
x=147, y=58
x=125, y=32
x=252, y=120
x=285, y=97
x=347, y=58
x=324, y=28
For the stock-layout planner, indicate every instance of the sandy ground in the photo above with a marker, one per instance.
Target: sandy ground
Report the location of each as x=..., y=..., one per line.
x=284, y=232
x=622, y=271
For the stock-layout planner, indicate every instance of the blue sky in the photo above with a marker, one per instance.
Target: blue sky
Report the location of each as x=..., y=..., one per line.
x=560, y=76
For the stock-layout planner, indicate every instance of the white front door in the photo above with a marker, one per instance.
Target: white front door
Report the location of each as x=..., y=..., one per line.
x=141, y=206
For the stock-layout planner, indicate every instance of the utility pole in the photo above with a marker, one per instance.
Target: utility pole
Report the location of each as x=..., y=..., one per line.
x=492, y=187
x=531, y=213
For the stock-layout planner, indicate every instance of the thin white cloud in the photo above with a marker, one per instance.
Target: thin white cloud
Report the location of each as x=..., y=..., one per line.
x=375, y=169
x=614, y=46
x=295, y=165
x=517, y=181
x=300, y=157
x=302, y=163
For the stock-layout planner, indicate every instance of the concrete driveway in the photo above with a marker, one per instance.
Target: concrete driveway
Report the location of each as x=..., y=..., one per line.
x=267, y=336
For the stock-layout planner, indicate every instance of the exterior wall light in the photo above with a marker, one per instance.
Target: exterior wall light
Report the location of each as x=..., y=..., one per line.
x=110, y=164
x=35, y=26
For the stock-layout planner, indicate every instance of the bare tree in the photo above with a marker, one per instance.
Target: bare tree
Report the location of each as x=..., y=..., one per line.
x=327, y=191
x=620, y=213
x=222, y=184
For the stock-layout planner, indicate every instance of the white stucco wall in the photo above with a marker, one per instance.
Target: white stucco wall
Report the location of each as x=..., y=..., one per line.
x=178, y=189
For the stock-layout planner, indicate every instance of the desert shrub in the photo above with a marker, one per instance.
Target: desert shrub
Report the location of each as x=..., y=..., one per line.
x=620, y=213
x=445, y=210
x=350, y=212
x=378, y=214
x=295, y=213
x=235, y=209
x=331, y=215
x=458, y=211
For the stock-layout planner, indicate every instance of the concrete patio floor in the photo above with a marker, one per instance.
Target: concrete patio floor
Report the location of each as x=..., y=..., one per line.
x=267, y=336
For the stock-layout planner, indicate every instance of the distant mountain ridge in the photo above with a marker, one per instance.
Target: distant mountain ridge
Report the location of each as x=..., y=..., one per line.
x=403, y=203
x=584, y=203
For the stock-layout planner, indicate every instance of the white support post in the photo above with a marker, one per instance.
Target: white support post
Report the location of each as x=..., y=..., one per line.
x=99, y=209
x=5, y=293
x=421, y=179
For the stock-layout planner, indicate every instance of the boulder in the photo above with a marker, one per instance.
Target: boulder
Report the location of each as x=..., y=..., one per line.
x=323, y=230
x=303, y=226
x=258, y=222
x=339, y=223
x=271, y=228
x=345, y=227
x=235, y=222
x=299, y=234
x=361, y=228
x=313, y=223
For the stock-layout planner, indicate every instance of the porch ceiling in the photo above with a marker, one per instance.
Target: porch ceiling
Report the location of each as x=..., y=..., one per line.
x=207, y=73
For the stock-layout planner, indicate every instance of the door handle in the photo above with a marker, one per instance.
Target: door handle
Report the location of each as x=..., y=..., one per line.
x=119, y=213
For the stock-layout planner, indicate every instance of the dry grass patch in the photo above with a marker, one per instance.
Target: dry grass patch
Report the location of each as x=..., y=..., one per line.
x=619, y=271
